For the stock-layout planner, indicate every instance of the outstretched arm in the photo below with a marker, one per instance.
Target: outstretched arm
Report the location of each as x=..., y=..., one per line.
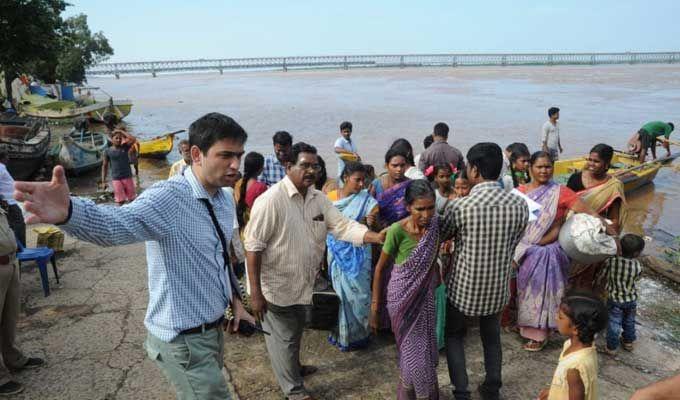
x=150, y=217
x=666, y=389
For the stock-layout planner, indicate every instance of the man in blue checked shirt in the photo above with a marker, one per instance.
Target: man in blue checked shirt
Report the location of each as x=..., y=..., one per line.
x=190, y=280
x=275, y=164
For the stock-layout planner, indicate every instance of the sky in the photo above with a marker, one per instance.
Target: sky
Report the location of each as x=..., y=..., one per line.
x=145, y=30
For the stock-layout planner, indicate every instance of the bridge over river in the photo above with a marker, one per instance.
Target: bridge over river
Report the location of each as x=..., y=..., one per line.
x=380, y=61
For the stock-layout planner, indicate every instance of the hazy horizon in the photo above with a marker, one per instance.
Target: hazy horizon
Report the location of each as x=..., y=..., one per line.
x=210, y=29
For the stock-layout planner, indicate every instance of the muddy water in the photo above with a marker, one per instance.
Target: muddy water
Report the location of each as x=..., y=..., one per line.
x=501, y=104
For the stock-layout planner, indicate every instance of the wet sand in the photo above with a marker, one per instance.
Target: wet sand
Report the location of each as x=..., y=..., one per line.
x=500, y=104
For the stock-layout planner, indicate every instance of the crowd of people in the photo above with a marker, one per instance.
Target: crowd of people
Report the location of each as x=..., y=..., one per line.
x=416, y=251
x=427, y=276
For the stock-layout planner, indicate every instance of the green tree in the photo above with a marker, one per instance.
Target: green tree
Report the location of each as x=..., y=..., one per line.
x=29, y=31
x=78, y=50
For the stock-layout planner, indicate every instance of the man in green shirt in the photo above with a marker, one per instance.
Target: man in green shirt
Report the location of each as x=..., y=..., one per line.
x=648, y=135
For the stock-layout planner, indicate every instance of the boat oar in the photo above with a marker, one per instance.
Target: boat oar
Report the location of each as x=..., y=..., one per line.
x=675, y=142
x=646, y=164
x=168, y=134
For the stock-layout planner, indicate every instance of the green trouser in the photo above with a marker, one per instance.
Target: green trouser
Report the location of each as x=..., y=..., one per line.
x=192, y=363
x=285, y=325
x=9, y=314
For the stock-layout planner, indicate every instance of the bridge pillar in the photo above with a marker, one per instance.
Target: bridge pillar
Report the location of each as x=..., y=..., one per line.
x=345, y=63
x=153, y=70
x=117, y=75
x=285, y=67
x=401, y=62
x=454, y=61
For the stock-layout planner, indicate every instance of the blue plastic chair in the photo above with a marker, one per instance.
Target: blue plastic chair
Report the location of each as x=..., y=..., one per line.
x=40, y=255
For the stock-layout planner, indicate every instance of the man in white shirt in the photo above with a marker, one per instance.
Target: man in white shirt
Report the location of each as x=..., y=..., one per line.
x=344, y=147
x=550, y=134
x=285, y=241
x=14, y=216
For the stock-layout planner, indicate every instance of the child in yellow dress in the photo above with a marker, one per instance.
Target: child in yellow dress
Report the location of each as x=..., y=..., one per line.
x=580, y=317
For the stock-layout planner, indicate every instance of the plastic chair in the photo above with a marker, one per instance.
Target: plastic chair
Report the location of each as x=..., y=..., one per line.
x=40, y=255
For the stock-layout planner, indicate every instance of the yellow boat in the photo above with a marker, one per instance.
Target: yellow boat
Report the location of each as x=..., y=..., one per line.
x=626, y=167
x=158, y=147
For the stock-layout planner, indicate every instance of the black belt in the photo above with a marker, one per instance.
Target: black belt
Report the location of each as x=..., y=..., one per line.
x=204, y=327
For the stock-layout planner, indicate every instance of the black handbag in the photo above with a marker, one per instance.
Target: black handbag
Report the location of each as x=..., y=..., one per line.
x=325, y=307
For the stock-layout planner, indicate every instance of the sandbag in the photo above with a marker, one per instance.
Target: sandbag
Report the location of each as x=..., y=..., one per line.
x=584, y=239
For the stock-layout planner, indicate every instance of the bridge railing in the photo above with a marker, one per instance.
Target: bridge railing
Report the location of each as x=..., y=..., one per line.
x=381, y=61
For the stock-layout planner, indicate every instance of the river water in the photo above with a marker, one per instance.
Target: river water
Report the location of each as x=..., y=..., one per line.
x=500, y=104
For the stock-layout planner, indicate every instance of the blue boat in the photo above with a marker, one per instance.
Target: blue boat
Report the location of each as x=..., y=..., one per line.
x=82, y=151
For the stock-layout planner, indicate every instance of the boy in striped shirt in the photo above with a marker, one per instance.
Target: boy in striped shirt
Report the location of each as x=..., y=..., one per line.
x=622, y=273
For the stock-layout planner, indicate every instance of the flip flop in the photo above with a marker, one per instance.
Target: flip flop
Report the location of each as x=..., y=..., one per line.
x=528, y=345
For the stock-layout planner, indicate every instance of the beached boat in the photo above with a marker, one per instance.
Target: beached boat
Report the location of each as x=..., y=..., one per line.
x=26, y=141
x=625, y=167
x=158, y=147
x=62, y=103
x=65, y=111
x=81, y=152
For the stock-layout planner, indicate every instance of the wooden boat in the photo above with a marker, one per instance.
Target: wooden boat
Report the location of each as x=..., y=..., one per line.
x=65, y=111
x=80, y=152
x=158, y=147
x=26, y=141
x=626, y=167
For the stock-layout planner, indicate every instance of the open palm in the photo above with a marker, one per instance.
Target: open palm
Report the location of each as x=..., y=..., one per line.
x=47, y=201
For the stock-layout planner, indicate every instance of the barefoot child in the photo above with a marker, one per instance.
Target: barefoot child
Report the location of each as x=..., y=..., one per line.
x=117, y=158
x=581, y=316
x=622, y=273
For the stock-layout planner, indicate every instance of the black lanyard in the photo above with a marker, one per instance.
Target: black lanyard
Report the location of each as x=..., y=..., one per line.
x=232, y=277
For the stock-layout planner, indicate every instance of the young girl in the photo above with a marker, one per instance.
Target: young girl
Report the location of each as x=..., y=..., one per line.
x=249, y=188
x=519, y=163
x=461, y=186
x=444, y=186
x=413, y=245
x=581, y=316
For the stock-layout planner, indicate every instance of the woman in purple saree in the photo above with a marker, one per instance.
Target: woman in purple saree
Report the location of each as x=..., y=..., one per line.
x=543, y=265
x=413, y=245
x=389, y=190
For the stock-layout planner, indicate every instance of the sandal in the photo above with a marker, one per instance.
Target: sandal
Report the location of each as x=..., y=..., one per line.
x=627, y=346
x=534, y=346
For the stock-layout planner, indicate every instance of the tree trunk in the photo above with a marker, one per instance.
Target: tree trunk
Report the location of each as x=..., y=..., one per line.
x=9, y=77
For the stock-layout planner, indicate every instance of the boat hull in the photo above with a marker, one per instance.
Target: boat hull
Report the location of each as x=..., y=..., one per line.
x=68, y=112
x=82, y=154
x=158, y=147
x=26, y=151
x=631, y=180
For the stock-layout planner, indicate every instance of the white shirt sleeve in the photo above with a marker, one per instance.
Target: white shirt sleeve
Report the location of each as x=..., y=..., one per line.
x=545, y=131
x=339, y=142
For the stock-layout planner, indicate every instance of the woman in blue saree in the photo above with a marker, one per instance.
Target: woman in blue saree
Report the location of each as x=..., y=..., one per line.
x=350, y=266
